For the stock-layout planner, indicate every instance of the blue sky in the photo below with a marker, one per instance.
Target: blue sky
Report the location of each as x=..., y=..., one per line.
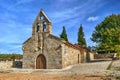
x=17, y=17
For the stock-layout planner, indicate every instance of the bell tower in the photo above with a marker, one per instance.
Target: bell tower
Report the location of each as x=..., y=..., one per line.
x=41, y=26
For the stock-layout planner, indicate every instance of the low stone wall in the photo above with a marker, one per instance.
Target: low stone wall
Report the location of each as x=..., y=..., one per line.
x=104, y=56
x=6, y=64
x=10, y=64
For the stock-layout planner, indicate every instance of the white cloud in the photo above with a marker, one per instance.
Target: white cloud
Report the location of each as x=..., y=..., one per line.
x=93, y=18
x=79, y=11
x=19, y=6
x=18, y=3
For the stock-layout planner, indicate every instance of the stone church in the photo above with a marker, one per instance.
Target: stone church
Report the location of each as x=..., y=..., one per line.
x=43, y=50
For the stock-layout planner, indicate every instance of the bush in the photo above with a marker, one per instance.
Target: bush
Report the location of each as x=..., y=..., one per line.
x=109, y=66
x=118, y=54
x=118, y=77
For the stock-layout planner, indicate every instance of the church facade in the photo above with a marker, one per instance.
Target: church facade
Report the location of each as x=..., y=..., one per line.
x=46, y=51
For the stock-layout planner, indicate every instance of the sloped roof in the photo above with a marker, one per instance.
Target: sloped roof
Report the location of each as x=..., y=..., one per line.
x=27, y=40
x=50, y=35
x=76, y=46
x=83, y=47
x=43, y=14
x=66, y=42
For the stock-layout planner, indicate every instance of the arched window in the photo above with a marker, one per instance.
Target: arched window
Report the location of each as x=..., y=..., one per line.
x=44, y=26
x=38, y=27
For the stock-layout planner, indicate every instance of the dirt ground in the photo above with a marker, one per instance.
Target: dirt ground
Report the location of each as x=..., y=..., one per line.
x=30, y=76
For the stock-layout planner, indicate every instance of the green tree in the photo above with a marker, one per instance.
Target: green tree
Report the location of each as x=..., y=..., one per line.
x=81, y=39
x=107, y=34
x=64, y=34
x=10, y=56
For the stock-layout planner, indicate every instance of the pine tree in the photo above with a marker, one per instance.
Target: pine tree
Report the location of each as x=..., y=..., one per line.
x=64, y=34
x=81, y=39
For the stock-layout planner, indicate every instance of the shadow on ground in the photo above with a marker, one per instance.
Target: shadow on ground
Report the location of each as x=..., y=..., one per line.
x=99, y=60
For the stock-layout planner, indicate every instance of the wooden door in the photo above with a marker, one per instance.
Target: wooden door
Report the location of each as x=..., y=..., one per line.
x=41, y=62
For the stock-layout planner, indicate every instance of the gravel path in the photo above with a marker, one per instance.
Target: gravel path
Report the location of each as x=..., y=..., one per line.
x=116, y=63
x=93, y=67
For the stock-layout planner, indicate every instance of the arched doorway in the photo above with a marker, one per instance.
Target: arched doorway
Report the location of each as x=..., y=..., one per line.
x=41, y=62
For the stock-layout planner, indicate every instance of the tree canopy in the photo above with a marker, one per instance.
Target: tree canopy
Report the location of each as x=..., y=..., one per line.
x=10, y=56
x=107, y=34
x=64, y=34
x=81, y=39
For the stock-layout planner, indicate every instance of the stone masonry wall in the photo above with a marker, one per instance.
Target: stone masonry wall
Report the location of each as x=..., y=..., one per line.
x=28, y=54
x=104, y=56
x=10, y=64
x=70, y=56
x=87, y=56
x=91, y=55
x=51, y=50
x=6, y=64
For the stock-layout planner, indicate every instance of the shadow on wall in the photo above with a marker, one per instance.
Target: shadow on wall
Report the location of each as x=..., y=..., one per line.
x=17, y=64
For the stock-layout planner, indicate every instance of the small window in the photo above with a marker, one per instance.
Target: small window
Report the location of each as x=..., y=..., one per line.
x=38, y=27
x=42, y=17
x=65, y=51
